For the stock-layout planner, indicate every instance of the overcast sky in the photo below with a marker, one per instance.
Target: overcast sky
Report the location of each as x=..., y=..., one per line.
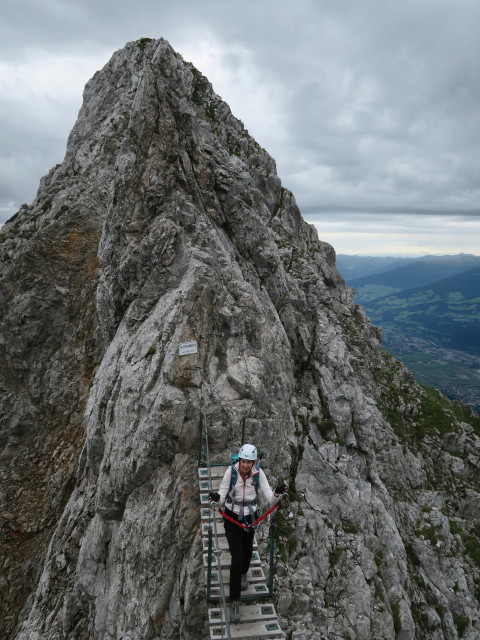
x=369, y=107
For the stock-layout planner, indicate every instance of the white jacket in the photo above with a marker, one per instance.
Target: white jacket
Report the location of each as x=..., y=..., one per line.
x=245, y=491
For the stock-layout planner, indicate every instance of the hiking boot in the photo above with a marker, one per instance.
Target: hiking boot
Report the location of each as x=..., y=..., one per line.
x=235, y=612
x=244, y=583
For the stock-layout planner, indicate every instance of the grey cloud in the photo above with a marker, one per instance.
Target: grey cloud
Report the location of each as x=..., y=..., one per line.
x=362, y=213
x=378, y=101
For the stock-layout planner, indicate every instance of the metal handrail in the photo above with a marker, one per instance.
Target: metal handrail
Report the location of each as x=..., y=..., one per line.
x=271, y=561
x=209, y=566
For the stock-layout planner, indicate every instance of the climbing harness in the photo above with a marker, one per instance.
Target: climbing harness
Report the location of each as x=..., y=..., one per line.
x=252, y=526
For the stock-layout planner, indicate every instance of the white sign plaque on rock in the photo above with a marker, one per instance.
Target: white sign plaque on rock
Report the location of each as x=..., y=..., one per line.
x=187, y=348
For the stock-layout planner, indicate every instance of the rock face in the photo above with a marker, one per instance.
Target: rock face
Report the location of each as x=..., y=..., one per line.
x=166, y=223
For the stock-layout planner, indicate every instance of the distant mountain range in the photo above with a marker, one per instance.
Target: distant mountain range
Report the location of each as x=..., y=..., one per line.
x=359, y=266
x=363, y=273
x=428, y=305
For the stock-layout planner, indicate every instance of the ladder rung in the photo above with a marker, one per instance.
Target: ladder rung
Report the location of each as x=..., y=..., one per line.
x=215, y=472
x=255, y=575
x=223, y=543
x=206, y=514
x=226, y=560
x=248, y=630
x=256, y=589
x=204, y=485
x=248, y=613
x=206, y=526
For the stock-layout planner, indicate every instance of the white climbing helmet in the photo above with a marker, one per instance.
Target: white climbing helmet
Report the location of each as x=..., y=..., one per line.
x=248, y=452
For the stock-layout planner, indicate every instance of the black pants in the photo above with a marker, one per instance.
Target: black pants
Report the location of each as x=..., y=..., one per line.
x=240, y=543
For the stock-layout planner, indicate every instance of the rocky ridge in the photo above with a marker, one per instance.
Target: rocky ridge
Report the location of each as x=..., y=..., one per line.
x=167, y=223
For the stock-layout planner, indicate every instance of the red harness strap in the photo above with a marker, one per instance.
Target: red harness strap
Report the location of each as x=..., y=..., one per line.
x=257, y=521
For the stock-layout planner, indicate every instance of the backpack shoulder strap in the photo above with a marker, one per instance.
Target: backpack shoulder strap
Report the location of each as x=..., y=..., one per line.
x=233, y=479
x=256, y=478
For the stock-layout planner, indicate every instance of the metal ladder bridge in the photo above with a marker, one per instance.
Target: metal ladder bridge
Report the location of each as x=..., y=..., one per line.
x=258, y=618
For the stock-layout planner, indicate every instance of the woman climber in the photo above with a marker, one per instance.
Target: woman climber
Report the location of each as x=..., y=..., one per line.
x=238, y=492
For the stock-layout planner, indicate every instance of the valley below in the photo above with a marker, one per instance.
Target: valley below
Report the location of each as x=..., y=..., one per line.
x=455, y=373
x=429, y=314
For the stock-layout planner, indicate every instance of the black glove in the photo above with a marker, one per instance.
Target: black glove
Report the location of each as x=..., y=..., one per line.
x=281, y=488
x=214, y=496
